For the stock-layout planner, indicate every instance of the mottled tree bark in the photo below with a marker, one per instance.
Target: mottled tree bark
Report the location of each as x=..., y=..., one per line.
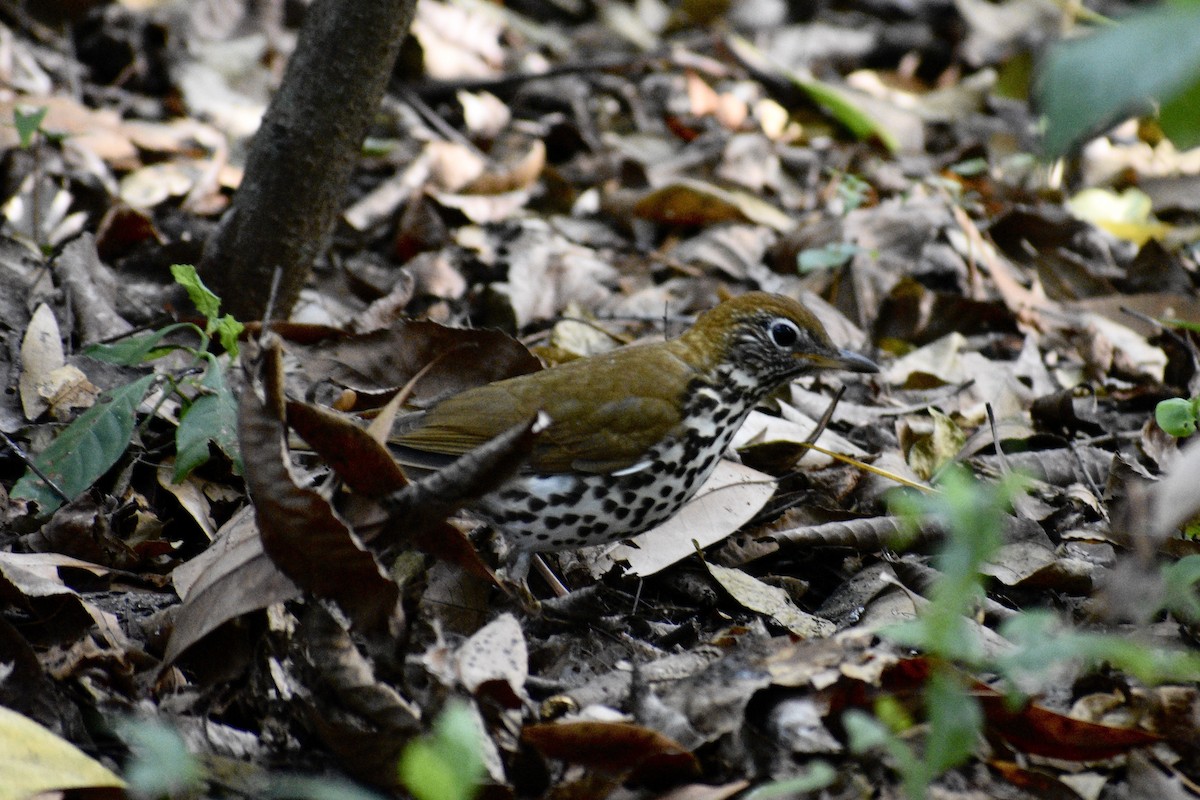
x=300, y=161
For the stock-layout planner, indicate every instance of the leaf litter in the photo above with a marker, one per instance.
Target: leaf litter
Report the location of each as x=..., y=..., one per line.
x=328, y=606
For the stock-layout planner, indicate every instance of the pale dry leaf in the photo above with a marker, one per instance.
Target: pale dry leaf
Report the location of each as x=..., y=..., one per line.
x=772, y=601
x=190, y=495
x=729, y=499
x=497, y=652
x=41, y=354
x=547, y=272
x=485, y=208
x=382, y=202
x=67, y=389
x=452, y=165
x=484, y=114
x=458, y=42
x=1016, y=561
x=99, y=131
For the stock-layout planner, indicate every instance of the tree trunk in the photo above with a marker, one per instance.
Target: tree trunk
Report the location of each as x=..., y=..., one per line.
x=300, y=161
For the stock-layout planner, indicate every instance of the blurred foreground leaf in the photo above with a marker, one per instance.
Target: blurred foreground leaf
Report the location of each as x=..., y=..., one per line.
x=1091, y=83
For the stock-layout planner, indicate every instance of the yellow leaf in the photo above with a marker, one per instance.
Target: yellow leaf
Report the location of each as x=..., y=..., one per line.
x=1126, y=215
x=33, y=760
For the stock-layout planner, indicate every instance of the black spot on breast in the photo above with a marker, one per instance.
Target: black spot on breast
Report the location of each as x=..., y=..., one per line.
x=541, y=537
x=599, y=490
x=665, y=491
x=621, y=513
x=660, y=507
x=557, y=499
x=536, y=504
x=526, y=517
x=629, y=497
x=608, y=506
x=552, y=522
x=511, y=494
x=570, y=519
x=721, y=415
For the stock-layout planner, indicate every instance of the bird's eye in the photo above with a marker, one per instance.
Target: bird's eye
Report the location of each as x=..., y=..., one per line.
x=784, y=333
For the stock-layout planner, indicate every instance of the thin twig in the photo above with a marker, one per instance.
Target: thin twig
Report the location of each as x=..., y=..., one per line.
x=19, y=453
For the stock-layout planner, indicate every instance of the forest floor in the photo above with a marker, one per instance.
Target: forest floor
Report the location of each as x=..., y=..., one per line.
x=979, y=583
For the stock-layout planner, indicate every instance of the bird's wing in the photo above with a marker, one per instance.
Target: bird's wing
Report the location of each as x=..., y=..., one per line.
x=587, y=432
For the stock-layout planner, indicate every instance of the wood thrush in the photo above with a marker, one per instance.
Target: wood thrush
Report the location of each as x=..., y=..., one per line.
x=633, y=433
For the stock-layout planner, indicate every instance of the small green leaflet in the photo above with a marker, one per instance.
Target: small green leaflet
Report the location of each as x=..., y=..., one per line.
x=137, y=349
x=227, y=328
x=212, y=416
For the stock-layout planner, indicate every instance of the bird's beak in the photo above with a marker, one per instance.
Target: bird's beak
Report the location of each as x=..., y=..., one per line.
x=844, y=359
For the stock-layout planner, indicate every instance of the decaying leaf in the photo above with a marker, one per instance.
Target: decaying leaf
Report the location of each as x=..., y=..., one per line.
x=300, y=531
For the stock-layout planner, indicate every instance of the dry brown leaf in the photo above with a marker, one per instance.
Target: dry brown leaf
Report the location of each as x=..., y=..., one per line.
x=614, y=747
x=299, y=529
x=686, y=201
x=347, y=448
x=386, y=360
x=232, y=577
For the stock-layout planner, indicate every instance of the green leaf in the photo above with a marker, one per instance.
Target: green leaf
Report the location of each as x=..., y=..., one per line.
x=831, y=255
x=161, y=765
x=843, y=107
x=212, y=417
x=1179, y=588
x=448, y=764
x=819, y=776
x=304, y=787
x=838, y=103
x=28, y=123
x=1179, y=119
x=87, y=448
x=1088, y=84
x=864, y=731
x=205, y=301
x=228, y=331
x=1042, y=640
x=1176, y=416
x=138, y=349
x=1182, y=324
x=955, y=722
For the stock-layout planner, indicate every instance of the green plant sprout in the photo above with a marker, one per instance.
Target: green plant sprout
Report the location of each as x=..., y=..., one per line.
x=96, y=440
x=30, y=134
x=448, y=763
x=1177, y=416
x=972, y=514
x=160, y=765
x=28, y=123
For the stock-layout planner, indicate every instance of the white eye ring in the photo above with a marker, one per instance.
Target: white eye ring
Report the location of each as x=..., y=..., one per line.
x=784, y=332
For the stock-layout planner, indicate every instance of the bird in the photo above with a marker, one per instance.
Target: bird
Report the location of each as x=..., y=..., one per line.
x=632, y=434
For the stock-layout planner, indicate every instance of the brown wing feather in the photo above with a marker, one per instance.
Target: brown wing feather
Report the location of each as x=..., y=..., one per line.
x=586, y=432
